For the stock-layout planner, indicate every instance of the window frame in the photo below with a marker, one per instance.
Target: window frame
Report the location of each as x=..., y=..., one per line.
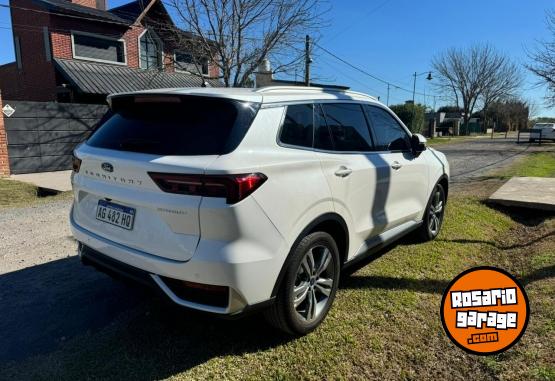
x=282, y=123
x=395, y=117
x=99, y=36
x=160, y=50
x=178, y=70
x=368, y=126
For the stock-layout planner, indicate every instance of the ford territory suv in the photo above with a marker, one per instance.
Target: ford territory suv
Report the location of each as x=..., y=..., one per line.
x=228, y=200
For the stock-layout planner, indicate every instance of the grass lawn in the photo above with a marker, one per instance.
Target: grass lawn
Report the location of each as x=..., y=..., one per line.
x=16, y=193
x=438, y=141
x=537, y=164
x=384, y=324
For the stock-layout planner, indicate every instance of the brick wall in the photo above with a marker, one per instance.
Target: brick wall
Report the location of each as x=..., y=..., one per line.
x=10, y=84
x=36, y=78
x=4, y=162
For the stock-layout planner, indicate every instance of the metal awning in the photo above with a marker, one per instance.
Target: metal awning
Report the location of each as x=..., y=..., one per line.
x=103, y=79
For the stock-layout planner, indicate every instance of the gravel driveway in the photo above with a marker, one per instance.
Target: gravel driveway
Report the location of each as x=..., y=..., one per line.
x=474, y=158
x=47, y=297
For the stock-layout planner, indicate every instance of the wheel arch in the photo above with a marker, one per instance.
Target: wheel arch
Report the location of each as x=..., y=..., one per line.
x=331, y=223
x=444, y=182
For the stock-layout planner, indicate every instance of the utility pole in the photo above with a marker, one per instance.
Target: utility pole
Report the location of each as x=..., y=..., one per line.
x=414, y=87
x=413, y=105
x=307, y=61
x=387, y=103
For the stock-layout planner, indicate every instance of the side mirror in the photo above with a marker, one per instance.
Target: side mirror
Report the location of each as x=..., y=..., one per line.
x=418, y=143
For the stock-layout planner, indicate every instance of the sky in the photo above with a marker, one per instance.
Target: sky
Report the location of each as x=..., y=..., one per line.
x=392, y=39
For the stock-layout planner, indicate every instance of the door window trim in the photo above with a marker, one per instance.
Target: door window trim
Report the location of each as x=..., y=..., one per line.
x=396, y=118
x=368, y=126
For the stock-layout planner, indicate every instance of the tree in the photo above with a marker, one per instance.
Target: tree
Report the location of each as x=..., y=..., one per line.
x=450, y=109
x=477, y=74
x=543, y=58
x=511, y=114
x=406, y=112
x=237, y=35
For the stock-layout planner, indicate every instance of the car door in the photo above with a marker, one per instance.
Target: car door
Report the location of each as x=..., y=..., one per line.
x=408, y=178
x=343, y=142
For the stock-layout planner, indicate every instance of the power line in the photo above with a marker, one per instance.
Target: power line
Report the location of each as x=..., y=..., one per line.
x=364, y=15
x=58, y=14
x=369, y=74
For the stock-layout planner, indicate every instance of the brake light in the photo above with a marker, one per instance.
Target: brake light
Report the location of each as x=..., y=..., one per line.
x=76, y=164
x=233, y=188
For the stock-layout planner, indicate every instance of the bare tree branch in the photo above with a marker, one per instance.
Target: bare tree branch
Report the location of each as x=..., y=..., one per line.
x=477, y=74
x=543, y=58
x=237, y=35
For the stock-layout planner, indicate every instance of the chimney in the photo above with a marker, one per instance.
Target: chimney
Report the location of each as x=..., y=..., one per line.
x=264, y=76
x=98, y=4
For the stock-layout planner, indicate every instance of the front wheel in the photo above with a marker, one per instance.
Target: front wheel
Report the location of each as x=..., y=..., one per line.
x=433, y=216
x=308, y=287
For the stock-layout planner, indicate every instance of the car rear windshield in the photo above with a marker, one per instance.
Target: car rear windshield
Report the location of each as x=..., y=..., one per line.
x=174, y=125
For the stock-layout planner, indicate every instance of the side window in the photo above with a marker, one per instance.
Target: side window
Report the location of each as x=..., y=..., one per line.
x=297, y=129
x=322, y=135
x=348, y=126
x=389, y=134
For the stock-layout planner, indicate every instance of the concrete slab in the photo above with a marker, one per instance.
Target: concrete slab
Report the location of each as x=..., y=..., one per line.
x=527, y=192
x=58, y=181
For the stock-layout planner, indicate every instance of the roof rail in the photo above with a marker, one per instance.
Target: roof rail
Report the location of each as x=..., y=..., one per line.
x=269, y=89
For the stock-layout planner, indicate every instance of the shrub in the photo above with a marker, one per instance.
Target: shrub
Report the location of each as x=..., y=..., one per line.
x=407, y=111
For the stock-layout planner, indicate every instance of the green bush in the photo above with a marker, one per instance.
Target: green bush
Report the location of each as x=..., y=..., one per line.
x=407, y=111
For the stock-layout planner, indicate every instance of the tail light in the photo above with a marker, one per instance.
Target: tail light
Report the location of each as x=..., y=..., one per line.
x=233, y=188
x=76, y=164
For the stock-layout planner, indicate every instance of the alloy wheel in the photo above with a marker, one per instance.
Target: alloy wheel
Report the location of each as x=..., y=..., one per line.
x=313, y=283
x=435, y=213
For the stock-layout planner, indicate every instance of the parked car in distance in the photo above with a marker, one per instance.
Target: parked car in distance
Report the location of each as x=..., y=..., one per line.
x=232, y=200
x=547, y=132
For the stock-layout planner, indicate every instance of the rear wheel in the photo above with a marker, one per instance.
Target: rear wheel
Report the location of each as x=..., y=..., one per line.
x=433, y=218
x=308, y=287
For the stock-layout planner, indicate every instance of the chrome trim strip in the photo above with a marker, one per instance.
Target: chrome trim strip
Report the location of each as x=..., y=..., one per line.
x=185, y=303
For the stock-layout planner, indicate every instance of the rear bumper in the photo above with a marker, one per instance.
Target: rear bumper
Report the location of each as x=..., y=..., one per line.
x=246, y=268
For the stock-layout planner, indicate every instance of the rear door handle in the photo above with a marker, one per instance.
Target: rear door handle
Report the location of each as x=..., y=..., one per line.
x=396, y=165
x=343, y=171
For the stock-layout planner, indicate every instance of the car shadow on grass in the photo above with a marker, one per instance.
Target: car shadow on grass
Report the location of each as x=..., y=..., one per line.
x=89, y=324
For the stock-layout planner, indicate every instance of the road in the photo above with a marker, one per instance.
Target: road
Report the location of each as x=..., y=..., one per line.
x=47, y=297
x=474, y=158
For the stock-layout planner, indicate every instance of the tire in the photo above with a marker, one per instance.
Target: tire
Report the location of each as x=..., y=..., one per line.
x=433, y=216
x=310, y=279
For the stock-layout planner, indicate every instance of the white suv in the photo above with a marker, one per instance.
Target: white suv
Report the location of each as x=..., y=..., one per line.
x=543, y=131
x=229, y=200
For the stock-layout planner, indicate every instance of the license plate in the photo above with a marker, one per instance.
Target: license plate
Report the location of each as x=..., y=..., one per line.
x=117, y=215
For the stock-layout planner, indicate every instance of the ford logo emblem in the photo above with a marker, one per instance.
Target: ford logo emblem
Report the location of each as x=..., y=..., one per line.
x=108, y=167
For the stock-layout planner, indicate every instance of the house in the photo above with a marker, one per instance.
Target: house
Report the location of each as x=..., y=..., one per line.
x=79, y=51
